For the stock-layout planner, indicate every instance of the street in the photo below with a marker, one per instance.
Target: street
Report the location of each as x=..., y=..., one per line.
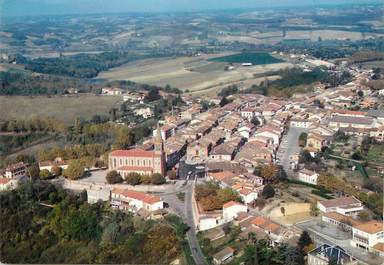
x=185, y=211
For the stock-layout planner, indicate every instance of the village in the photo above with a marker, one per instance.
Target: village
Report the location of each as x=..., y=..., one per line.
x=256, y=165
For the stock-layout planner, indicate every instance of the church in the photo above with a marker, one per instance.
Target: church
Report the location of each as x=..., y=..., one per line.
x=138, y=160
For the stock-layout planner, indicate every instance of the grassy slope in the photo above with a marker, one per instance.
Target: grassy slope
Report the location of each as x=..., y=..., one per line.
x=63, y=108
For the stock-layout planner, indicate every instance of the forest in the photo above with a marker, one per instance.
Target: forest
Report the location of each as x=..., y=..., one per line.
x=41, y=223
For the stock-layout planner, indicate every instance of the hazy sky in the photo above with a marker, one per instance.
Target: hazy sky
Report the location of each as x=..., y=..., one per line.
x=43, y=7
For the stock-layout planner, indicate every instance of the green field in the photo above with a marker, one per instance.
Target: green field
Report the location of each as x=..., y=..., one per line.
x=256, y=58
x=62, y=108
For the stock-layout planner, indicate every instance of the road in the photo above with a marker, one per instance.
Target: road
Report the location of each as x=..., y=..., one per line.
x=185, y=211
x=289, y=146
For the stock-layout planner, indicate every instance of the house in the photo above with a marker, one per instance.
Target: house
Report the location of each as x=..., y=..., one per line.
x=325, y=253
x=343, y=205
x=144, y=112
x=139, y=160
x=308, y=176
x=272, y=229
x=248, y=195
x=57, y=162
x=315, y=141
x=112, y=91
x=134, y=201
x=368, y=235
x=223, y=256
x=16, y=170
x=231, y=209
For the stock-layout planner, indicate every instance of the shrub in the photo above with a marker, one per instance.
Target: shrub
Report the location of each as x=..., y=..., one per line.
x=114, y=177
x=157, y=179
x=133, y=178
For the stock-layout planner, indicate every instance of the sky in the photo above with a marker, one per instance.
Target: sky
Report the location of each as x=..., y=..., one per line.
x=59, y=7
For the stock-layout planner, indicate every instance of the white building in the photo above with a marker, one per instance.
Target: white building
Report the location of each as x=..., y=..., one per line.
x=248, y=195
x=308, y=176
x=231, y=209
x=133, y=201
x=343, y=205
x=368, y=235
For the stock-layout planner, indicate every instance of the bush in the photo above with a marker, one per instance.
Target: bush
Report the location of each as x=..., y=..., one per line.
x=45, y=174
x=113, y=177
x=157, y=179
x=268, y=192
x=133, y=178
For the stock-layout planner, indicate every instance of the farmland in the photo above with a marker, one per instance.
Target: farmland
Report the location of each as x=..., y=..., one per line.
x=193, y=74
x=63, y=108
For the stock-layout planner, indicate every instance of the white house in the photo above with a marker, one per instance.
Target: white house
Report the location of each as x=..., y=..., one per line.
x=133, y=201
x=368, y=235
x=343, y=205
x=248, y=195
x=308, y=176
x=231, y=209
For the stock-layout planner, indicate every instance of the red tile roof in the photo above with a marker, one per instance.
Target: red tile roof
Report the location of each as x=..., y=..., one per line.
x=232, y=203
x=141, y=196
x=133, y=153
x=371, y=227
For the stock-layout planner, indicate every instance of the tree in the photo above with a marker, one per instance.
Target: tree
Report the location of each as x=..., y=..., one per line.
x=153, y=94
x=294, y=257
x=45, y=174
x=303, y=139
x=75, y=170
x=133, y=178
x=304, y=240
x=56, y=170
x=268, y=191
x=157, y=179
x=124, y=138
x=269, y=173
x=113, y=177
